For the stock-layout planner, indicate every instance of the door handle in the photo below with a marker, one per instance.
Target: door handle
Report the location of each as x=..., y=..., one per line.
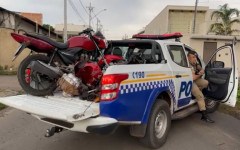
x=178, y=76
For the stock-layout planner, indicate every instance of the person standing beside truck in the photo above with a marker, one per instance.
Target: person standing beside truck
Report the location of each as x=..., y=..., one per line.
x=198, y=84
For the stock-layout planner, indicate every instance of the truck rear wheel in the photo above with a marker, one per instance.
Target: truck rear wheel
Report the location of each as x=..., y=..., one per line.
x=158, y=125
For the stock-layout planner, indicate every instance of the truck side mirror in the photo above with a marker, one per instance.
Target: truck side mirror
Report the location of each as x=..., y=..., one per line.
x=164, y=61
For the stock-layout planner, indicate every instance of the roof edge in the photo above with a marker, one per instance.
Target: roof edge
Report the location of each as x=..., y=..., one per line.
x=26, y=19
x=214, y=37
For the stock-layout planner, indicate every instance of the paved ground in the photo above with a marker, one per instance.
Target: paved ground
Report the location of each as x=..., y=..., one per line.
x=9, y=82
x=19, y=131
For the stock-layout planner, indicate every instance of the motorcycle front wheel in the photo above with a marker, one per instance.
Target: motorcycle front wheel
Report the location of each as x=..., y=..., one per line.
x=33, y=82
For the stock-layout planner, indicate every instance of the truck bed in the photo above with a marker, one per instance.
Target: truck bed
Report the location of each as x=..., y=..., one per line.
x=56, y=107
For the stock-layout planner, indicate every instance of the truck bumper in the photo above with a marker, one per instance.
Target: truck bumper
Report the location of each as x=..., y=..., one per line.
x=103, y=129
x=99, y=125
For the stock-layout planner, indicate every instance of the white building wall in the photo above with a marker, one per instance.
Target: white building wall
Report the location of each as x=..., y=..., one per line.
x=159, y=25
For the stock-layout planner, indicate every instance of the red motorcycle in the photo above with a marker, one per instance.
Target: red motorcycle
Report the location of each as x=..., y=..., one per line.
x=38, y=73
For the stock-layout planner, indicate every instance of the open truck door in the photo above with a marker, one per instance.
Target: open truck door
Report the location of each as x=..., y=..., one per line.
x=222, y=75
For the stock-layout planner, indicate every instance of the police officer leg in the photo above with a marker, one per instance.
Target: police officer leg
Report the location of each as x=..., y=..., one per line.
x=201, y=83
x=201, y=102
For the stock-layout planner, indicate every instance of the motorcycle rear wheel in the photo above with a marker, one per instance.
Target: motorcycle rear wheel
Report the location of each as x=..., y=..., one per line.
x=34, y=82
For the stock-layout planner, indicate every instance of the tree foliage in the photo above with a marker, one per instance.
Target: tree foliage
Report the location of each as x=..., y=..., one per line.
x=46, y=26
x=224, y=21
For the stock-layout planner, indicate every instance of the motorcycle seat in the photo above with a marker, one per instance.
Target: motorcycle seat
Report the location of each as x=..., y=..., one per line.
x=50, y=41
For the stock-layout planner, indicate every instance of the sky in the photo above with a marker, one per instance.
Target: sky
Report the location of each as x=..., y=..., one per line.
x=122, y=17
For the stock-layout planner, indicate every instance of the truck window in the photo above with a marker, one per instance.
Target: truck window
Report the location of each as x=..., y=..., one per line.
x=178, y=55
x=158, y=54
x=141, y=55
x=136, y=51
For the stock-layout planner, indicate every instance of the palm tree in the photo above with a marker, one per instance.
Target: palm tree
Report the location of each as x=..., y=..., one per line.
x=224, y=14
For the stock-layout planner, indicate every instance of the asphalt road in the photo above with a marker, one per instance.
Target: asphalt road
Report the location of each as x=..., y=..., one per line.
x=19, y=131
x=9, y=82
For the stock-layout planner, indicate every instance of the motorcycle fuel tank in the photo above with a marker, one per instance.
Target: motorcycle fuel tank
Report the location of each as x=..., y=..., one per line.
x=82, y=42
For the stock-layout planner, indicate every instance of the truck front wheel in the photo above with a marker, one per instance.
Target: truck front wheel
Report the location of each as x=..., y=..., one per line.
x=158, y=125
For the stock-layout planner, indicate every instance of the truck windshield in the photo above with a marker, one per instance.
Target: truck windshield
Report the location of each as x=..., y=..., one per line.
x=141, y=53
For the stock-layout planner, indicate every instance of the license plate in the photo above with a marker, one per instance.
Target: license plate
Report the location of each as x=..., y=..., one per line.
x=19, y=50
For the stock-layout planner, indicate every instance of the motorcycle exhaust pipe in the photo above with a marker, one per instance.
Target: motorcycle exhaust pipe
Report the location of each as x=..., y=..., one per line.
x=46, y=69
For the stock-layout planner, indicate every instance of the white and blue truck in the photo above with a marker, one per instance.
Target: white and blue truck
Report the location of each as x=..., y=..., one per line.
x=146, y=94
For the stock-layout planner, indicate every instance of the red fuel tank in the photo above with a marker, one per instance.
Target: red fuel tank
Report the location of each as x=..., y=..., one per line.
x=83, y=42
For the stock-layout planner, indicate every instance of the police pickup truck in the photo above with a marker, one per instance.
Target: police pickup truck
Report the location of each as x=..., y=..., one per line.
x=152, y=89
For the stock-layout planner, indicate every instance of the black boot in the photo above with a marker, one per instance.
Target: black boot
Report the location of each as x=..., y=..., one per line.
x=206, y=118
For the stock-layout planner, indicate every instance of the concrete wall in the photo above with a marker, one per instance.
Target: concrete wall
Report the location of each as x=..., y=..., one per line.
x=159, y=25
x=14, y=21
x=198, y=45
x=182, y=21
x=205, y=25
x=8, y=19
x=236, y=26
x=8, y=46
x=31, y=28
x=21, y=24
x=176, y=19
x=72, y=29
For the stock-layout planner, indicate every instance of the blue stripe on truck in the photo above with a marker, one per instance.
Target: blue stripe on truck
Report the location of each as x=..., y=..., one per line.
x=135, y=100
x=184, y=101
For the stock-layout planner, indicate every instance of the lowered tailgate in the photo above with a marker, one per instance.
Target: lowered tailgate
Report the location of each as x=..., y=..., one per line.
x=56, y=107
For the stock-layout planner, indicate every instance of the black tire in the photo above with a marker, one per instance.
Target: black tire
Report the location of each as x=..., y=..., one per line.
x=51, y=84
x=211, y=105
x=153, y=139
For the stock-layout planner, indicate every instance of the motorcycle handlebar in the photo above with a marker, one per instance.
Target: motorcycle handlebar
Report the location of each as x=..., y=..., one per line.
x=86, y=31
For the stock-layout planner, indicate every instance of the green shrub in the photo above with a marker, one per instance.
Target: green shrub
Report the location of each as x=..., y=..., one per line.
x=3, y=72
x=60, y=40
x=1, y=68
x=6, y=67
x=2, y=106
